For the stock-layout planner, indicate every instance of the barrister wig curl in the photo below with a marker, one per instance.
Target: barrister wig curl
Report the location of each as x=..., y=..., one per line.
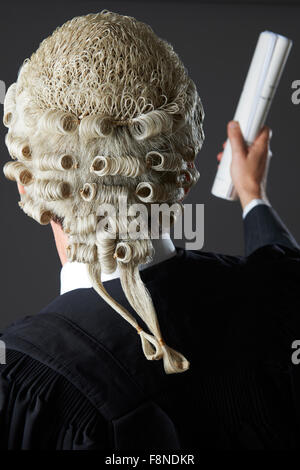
x=105, y=109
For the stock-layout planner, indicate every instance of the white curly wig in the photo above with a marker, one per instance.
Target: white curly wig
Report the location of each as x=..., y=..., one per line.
x=104, y=108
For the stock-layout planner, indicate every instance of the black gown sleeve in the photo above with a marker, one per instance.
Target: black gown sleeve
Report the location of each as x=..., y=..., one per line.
x=262, y=227
x=272, y=265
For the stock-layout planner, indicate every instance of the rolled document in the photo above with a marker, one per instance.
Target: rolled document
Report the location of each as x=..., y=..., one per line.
x=265, y=70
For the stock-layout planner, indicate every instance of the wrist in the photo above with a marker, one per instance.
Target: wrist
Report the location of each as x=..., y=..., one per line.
x=246, y=197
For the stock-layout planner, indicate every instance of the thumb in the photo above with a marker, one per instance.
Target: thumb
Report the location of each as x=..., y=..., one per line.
x=237, y=142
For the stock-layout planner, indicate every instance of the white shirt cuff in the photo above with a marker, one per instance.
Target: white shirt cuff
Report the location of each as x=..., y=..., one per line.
x=253, y=203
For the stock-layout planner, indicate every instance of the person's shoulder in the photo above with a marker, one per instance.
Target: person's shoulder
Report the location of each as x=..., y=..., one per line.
x=48, y=330
x=214, y=257
x=68, y=322
x=210, y=260
x=77, y=299
x=17, y=324
x=270, y=254
x=31, y=328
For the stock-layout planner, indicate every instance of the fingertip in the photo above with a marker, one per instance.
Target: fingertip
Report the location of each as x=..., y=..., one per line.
x=233, y=130
x=233, y=124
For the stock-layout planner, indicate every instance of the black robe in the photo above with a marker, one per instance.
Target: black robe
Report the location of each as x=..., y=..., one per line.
x=76, y=376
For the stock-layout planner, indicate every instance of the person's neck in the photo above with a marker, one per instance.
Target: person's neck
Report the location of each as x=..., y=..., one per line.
x=75, y=276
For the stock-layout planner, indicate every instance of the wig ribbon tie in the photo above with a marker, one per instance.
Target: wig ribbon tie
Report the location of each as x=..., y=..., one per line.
x=155, y=349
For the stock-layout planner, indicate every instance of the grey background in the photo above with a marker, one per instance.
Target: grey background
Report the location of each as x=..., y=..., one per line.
x=215, y=42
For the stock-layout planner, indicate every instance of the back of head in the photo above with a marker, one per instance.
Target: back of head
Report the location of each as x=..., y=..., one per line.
x=105, y=110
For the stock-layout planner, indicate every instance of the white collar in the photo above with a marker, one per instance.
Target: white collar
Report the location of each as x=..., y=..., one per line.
x=75, y=276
